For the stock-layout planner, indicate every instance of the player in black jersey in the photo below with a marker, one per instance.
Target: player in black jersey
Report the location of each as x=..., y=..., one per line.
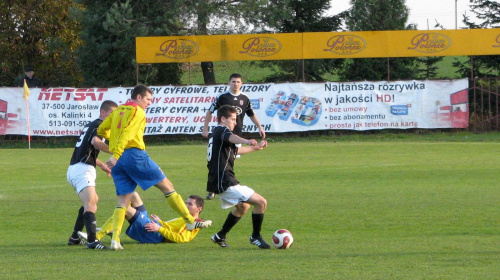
x=240, y=102
x=82, y=174
x=221, y=153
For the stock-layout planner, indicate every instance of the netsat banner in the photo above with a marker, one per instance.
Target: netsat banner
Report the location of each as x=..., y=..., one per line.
x=280, y=107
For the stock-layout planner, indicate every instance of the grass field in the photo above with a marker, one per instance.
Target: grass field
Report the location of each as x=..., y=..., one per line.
x=357, y=209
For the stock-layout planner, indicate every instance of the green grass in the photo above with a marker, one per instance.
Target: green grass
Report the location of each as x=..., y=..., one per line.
x=446, y=69
x=357, y=209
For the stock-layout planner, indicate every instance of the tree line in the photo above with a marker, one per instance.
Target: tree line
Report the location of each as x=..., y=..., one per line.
x=91, y=43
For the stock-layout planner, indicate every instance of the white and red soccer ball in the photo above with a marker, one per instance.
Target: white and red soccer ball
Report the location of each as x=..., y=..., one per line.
x=282, y=239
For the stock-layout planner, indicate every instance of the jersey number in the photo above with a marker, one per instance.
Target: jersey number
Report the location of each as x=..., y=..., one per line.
x=209, y=149
x=80, y=140
x=120, y=122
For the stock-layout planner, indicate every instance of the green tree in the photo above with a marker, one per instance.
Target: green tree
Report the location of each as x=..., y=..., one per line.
x=109, y=30
x=206, y=17
x=41, y=34
x=289, y=16
x=375, y=15
x=428, y=68
x=487, y=16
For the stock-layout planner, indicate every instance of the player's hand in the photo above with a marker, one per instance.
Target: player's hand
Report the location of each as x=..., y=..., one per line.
x=106, y=169
x=204, y=134
x=111, y=162
x=252, y=142
x=262, y=144
x=262, y=133
x=156, y=218
x=152, y=227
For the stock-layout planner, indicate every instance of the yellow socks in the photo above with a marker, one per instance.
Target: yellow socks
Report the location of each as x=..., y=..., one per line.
x=175, y=201
x=107, y=227
x=118, y=219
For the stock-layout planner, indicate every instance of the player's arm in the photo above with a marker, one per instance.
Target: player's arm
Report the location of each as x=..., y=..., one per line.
x=104, y=128
x=100, y=145
x=262, y=132
x=235, y=139
x=173, y=231
x=208, y=117
x=103, y=166
x=248, y=149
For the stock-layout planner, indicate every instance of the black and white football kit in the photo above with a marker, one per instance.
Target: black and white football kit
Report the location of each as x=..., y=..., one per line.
x=240, y=102
x=84, y=151
x=220, y=155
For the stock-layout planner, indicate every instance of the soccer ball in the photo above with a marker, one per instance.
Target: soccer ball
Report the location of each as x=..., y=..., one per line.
x=282, y=239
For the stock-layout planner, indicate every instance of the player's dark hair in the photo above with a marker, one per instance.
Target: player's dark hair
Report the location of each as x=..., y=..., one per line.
x=235, y=75
x=108, y=104
x=199, y=201
x=225, y=111
x=141, y=90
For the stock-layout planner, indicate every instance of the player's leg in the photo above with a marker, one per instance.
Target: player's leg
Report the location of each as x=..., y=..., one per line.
x=177, y=203
x=80, y=176
x=233, y=218
x=233, y=196
x=137, y=228
x=147, y=173
x=105, y=229
x=74, y=239
x=260, y=205
x=135, y=200
x=118, y=219
x=89, y=199
x=127, y=174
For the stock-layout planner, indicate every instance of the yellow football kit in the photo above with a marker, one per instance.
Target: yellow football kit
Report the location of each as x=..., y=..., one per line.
x=175, y=231
x=124, y=128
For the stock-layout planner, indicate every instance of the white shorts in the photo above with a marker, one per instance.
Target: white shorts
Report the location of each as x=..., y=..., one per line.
x=234, y=195
x=80, y=176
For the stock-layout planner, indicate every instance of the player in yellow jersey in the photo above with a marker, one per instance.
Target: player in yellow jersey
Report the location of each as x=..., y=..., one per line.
x=130, y=164
x=153, y=230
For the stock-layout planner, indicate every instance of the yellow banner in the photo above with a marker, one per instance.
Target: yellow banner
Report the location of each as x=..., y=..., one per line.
x=318, y=45
x=409, y=43
x=219, y=48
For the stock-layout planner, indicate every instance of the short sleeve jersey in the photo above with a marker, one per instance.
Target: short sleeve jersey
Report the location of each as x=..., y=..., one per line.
x=220, y=155
x=84, y=151
x=242, y=104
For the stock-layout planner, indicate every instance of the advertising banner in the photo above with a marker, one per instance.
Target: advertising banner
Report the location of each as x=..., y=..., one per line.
x=280, y=108
x=404, y=43
x=318, y=45
x=218, y=48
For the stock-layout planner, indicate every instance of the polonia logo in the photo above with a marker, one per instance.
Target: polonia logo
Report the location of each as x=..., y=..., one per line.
x=345, y=44
x=498, y=42
x=178, y=48
x=261, y=46
x=430, y=42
